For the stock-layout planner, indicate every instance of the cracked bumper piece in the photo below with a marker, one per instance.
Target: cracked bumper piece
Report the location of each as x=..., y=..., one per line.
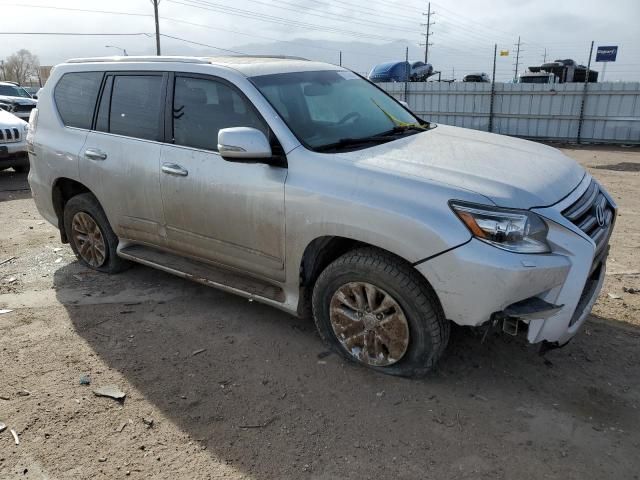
x=476, y=281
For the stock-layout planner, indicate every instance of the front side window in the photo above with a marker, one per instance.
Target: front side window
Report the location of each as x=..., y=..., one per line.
x=202, y=107
x=75, y=97
x=332, y=107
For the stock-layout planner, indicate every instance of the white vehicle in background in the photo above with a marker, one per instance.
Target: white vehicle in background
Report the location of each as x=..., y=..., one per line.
x=538, y=77
x=13, y=144
x=15, y=99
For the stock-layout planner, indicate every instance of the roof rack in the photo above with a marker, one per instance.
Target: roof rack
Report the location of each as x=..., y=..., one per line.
x=178, y=59
x=138, y=59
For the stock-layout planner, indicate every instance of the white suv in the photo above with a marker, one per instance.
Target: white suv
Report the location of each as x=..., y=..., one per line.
x=304, y=186
x=13, y=142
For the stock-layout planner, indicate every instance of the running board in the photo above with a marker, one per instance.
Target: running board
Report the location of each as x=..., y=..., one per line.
x=221, y=278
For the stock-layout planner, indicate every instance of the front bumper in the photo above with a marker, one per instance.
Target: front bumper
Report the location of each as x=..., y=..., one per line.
x=476, y=282
x=13, y=154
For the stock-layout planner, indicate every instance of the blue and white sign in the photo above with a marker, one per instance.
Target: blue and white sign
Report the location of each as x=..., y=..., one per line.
x=607, y=54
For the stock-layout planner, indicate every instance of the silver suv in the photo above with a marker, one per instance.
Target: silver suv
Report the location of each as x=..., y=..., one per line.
x=304, y=186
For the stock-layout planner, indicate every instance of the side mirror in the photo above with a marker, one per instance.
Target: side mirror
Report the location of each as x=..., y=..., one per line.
x=243, y=143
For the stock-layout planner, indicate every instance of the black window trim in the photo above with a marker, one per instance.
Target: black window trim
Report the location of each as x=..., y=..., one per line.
x=279, y=156
x=95, y=107
x=132, y=73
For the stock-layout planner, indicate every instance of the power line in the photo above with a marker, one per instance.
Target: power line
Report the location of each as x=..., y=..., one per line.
x=77, y=34
x=201, y=44
x=275, y=19
x=185, y=22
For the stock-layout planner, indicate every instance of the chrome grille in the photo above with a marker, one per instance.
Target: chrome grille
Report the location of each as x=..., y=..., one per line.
x=594, y=215
x=24, y=108
x=9, y=135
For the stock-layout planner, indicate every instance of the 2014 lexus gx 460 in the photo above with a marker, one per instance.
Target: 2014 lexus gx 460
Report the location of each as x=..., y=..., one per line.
x=303, y=186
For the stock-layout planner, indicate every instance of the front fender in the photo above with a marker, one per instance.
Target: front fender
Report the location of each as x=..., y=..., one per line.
x=329, y=196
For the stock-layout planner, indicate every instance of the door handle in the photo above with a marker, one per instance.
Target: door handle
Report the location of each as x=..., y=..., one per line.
x=94, y=154
x=173, y=169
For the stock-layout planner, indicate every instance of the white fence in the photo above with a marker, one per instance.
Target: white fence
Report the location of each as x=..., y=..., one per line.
x=544, y=112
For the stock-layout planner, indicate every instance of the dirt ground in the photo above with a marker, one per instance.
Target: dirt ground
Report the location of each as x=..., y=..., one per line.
x=262, y=401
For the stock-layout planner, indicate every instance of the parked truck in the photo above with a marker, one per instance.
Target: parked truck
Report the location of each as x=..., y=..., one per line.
x=559, y=71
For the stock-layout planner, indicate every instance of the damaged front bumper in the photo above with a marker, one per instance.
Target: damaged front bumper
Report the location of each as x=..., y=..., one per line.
x=552, y=293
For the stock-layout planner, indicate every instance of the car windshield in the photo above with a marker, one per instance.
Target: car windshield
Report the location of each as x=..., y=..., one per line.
x=13, y=91
x=336, y=108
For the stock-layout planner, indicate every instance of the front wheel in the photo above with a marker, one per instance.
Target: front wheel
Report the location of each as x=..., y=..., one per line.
x=375, y=309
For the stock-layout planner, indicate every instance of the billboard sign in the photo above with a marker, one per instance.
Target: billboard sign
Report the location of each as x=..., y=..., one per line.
x=607, y=54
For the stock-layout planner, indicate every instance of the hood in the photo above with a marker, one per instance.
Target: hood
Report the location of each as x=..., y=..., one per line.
x=9, y=120
x=510, y=172
x=17, y=100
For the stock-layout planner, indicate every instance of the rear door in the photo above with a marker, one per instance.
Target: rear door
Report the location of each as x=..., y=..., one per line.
x=120, y=159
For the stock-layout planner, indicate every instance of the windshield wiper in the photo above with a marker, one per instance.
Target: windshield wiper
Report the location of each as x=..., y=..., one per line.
x=350, y=142
x=404, y=128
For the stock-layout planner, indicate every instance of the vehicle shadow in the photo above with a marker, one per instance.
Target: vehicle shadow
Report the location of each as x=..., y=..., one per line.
x=265, y=398
x=13, y=185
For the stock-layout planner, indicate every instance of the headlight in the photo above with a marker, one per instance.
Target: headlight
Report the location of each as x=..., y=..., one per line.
x=514, y=230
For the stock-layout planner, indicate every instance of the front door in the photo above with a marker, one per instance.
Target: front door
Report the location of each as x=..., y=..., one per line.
x=229, y=213
x=120, y=159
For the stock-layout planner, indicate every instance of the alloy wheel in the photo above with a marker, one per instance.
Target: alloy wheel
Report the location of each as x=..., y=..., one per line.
x=369, y=323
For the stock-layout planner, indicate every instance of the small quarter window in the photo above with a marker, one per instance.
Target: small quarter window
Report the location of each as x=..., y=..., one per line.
x=75, y=97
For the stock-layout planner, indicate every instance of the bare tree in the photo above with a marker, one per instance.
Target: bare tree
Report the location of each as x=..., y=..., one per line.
x=21, y=66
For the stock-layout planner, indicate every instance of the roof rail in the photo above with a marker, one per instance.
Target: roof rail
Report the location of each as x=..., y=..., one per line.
x=179, y=59
x=138, y=59
x=282, y=57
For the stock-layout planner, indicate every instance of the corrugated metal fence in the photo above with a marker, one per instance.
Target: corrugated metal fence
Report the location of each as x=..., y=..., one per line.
x=544, y=112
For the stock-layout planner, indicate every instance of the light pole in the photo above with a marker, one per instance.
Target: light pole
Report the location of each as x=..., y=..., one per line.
x=124, y=50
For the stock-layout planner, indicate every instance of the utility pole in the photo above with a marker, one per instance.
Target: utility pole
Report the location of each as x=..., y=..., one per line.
x=428, y=34
x=155, y=11
x=584, y=95
x=544, y=57
x=406, y=73
x=515, y=75
x=493, y=87
x=340, y=57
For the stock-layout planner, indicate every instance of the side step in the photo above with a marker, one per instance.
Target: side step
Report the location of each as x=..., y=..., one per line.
x=206, y=274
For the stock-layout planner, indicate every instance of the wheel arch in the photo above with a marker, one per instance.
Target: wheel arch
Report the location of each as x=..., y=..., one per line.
x=320, y=252
x=63, y=190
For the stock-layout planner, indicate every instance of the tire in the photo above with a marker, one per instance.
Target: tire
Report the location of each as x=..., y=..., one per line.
x=418, y=324
x=107, y=260
x=22, y=168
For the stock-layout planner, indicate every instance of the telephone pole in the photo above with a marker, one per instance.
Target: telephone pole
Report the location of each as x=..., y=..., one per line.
x=155, y=11
x=544, y=56
x=428, y=34
x=515, y=75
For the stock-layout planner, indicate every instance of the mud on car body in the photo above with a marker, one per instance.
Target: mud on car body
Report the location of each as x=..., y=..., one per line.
x=304, y=186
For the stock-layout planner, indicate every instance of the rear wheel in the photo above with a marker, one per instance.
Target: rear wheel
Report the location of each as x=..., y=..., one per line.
x=90, y=235
x=375, y=309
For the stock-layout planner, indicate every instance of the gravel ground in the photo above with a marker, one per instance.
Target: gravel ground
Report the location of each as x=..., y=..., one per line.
x=221, y=388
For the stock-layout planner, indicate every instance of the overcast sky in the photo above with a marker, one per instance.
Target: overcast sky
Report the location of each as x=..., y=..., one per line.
x=367, y=32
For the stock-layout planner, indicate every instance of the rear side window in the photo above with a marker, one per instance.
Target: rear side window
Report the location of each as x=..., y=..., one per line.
x=132, y=105
x=75, y=97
